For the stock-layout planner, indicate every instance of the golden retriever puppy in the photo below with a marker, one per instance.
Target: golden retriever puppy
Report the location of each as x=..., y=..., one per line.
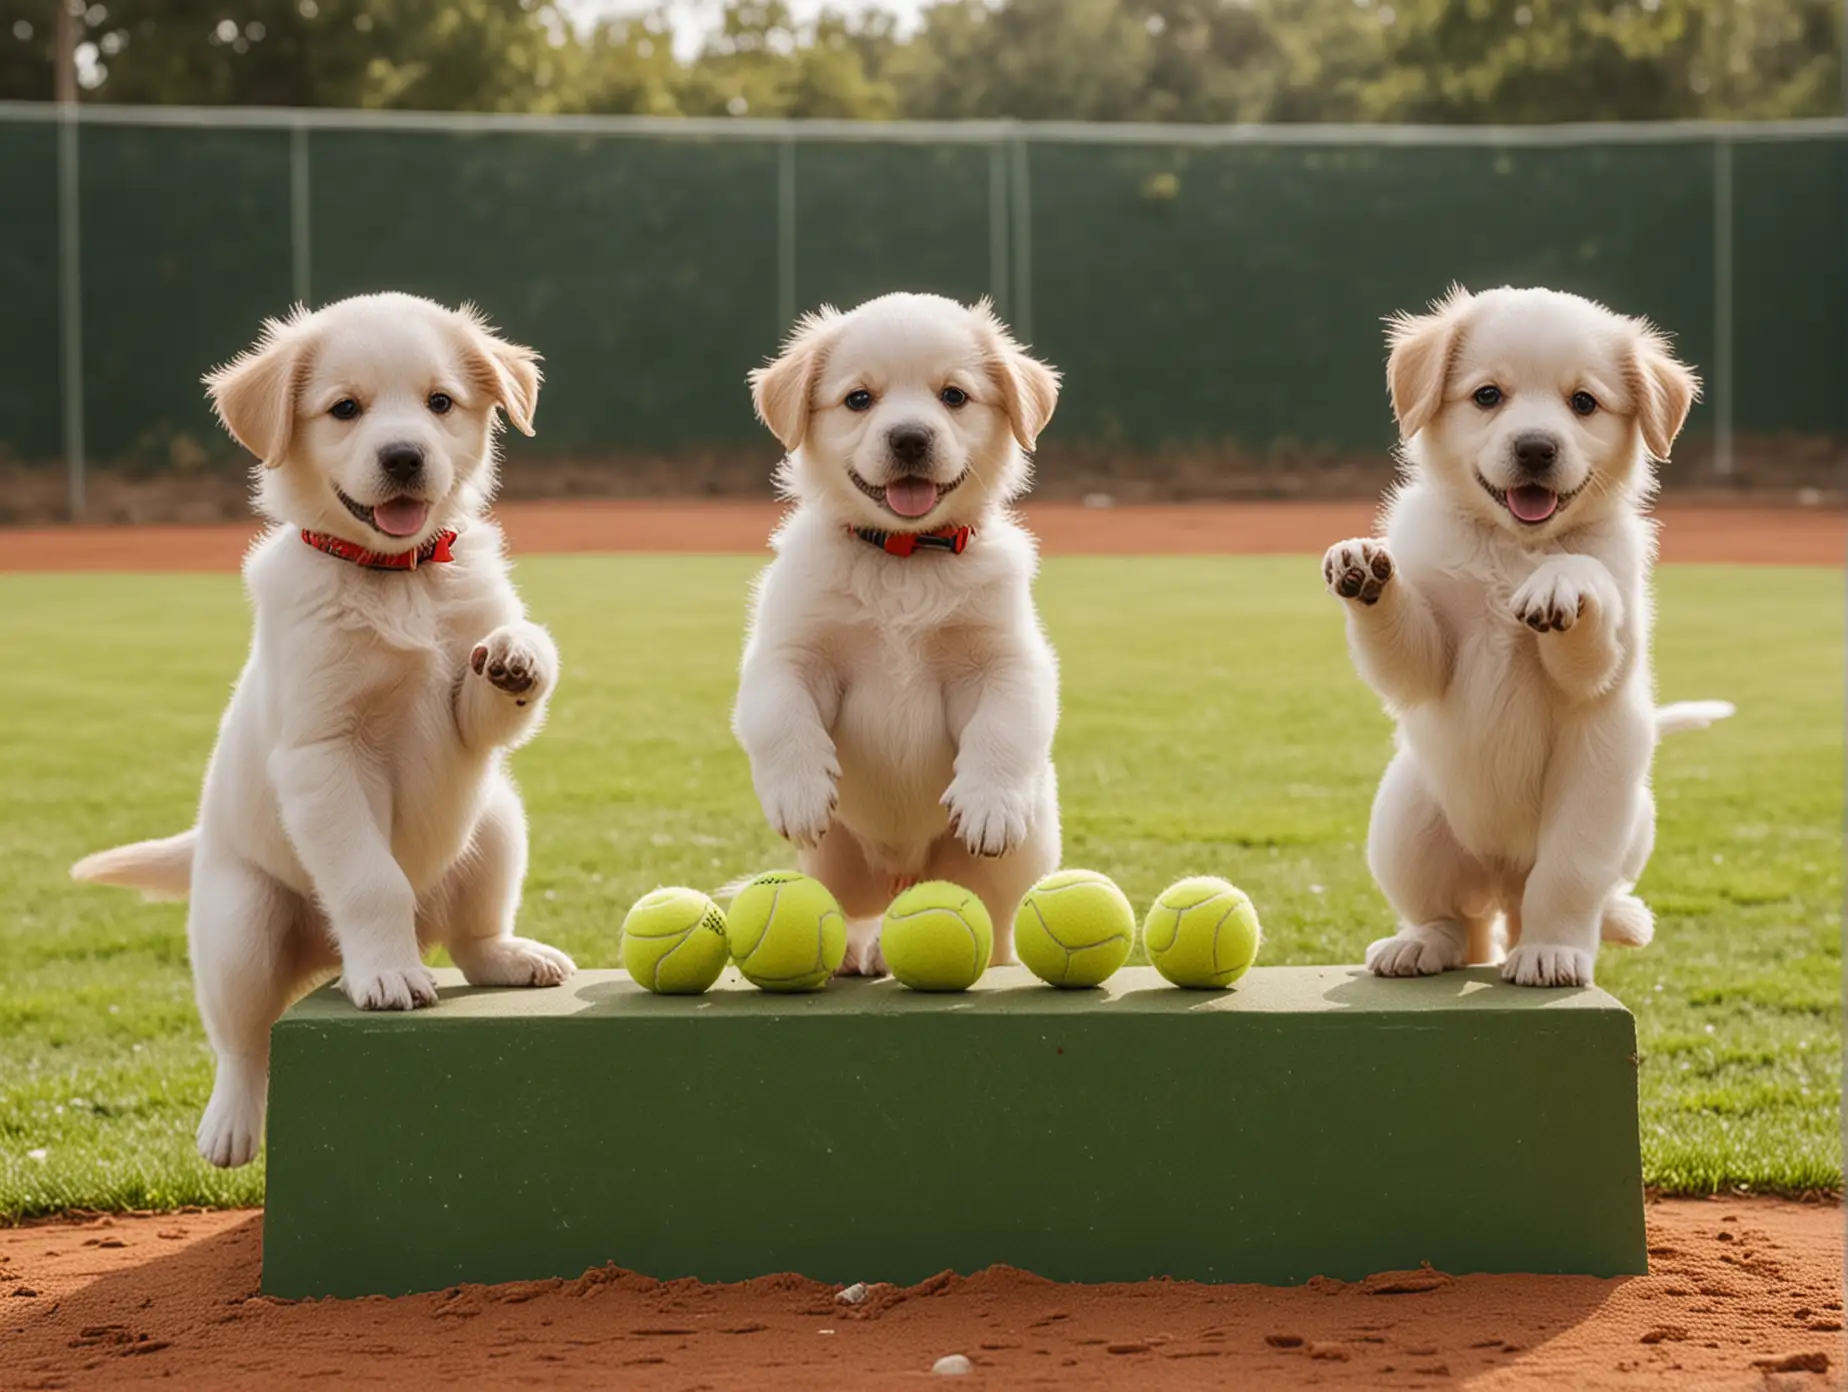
x=898, y=695
x=1504, y=620
x=357, y=807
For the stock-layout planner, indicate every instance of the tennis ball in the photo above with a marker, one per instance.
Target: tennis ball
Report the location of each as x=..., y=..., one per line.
x=787, y=932
x=1074, y=928
x=937, y=936
x=1202, y=932
x=673, y=941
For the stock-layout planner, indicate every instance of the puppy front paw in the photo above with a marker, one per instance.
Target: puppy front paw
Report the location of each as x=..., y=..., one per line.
x=1563, y=591
x=989, y=820
x=1419, y=951
x=402, y=988
x=1358, y=569
x=1544, y=964
x=515, y=661
x=799, y=803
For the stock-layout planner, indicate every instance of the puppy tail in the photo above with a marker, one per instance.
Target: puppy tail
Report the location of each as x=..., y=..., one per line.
x=159, y=869
x=728, y=891
x=1690, y=715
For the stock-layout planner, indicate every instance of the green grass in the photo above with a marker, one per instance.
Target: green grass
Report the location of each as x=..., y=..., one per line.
x=1212, y=723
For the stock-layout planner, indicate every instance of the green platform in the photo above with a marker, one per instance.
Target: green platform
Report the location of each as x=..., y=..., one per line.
x=1312, y=1121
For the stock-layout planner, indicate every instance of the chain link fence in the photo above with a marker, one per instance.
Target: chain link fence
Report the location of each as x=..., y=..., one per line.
x=1213, y=295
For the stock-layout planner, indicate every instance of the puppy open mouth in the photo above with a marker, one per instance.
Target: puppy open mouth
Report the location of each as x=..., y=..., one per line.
x=909, y=496
x=1529, y=503
x=396, y=517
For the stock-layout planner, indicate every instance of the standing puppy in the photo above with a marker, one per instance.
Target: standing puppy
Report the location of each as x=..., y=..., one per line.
x=898, y=696
x=357, y=807
x=1505, y=621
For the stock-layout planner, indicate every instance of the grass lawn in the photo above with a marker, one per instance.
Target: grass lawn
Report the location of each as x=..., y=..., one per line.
x=1212, y=724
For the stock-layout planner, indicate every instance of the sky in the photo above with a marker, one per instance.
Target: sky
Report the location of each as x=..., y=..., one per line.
x=692, y=18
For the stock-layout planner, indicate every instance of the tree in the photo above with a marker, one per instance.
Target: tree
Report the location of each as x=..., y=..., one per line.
x=1076, y=60
x=454, y=55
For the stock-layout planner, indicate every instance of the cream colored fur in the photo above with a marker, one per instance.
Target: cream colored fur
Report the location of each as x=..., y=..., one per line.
x=1515, y=655
x=899, y=711
x=357, y=807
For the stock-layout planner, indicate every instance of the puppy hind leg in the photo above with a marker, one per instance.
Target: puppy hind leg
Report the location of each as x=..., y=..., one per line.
x=252, y=951
x=1435, y=886
x=1627, y=920
x=473, y=911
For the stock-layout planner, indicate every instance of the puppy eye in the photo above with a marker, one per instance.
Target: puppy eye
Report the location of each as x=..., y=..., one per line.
x=953, y=397
x=440, y=403
x=859, y=400
x=1488, y=397
x=344, y=409
x=1584, y=403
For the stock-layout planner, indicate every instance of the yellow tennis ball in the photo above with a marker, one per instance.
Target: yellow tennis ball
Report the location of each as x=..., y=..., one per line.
x=673, y=941
x=787, y=932
x=937, y=936
x=1074, y=928
x=1202, y=932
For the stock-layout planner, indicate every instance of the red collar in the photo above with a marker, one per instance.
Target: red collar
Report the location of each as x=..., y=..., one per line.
x=435, y=549
x=951, y=539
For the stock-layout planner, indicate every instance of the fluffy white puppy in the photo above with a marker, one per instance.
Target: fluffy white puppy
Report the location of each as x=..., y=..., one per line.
x=898, y=696
x=1504, y=620
x=357, y=807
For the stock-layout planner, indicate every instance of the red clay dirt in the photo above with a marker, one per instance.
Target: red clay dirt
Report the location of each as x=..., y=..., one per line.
x=1743, y=1293
x=1690, y=532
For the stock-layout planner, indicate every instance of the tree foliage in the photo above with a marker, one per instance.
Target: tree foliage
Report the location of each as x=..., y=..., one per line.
x=1096, y=60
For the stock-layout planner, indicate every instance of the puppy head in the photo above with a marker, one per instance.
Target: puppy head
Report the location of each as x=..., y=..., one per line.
x=1538, y=410
x=375, y=416
x=909, y=413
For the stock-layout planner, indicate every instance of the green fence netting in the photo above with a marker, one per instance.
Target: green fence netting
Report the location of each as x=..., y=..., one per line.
x=1199, y=294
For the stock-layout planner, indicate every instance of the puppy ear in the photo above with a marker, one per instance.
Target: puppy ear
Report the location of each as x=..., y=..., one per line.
x=254, y=394
x=507, y=373
x=782, y=392
x=1423, y=348
x=1663, y=388
x=1029, y=388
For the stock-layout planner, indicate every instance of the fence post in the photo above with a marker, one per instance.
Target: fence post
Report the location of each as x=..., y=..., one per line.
x=301, y=248
x=785, y=235
x=1723, y=307
x=997, y=229
x=70, y=304
x=1021, y=317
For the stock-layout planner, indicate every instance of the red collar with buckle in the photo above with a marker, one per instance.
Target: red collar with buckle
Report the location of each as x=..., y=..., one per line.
x=951, y=539
x=435, y=549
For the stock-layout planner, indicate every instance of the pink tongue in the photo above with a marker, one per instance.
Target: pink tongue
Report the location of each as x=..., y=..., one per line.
x=1532, y=503
x=400, y=516
x=911, y=496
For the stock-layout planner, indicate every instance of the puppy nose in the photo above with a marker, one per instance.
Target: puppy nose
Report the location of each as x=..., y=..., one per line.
x=401, y=463
x=1535, y=451
x=910, y=444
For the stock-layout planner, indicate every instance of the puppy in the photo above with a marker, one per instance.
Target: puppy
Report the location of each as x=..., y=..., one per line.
x=898, y=696
x=1504, y=619
x=357, y=808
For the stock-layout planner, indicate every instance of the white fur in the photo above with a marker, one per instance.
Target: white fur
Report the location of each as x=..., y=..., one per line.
x=1514, y=655
x=899, y=711
x=357, y=807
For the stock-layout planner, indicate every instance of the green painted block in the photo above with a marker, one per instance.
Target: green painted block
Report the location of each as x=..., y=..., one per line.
x=1313, y=1120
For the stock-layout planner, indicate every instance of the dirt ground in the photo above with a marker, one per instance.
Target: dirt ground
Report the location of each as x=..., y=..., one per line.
x=1690, y=532
x=1743, y=1293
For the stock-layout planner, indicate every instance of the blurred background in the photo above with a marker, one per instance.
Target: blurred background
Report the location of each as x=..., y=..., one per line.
x=1199, y=209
